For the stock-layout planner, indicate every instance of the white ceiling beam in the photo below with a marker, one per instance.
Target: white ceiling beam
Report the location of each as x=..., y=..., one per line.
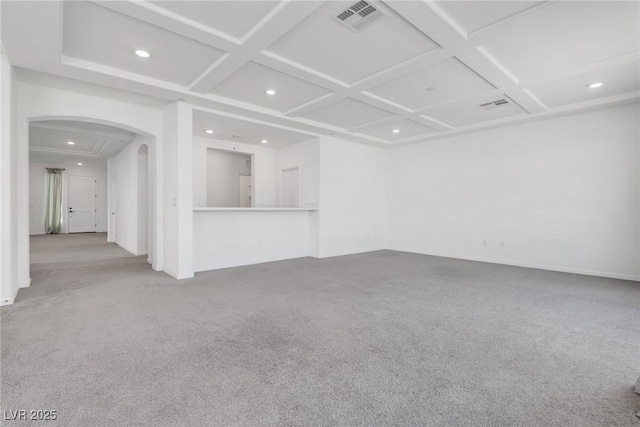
x=580, y=107
x=477, y=34
x=481, y=61
x=369, y=125
x=398, y=110
x=107, y=76
x=338, y=89
x=282, y=64
x=424, y=111
x=278, y=22
x=414, y=64
x=427, y=17
x=163, y=18
x=315, y=104
x=430, y=19
x=627, y=58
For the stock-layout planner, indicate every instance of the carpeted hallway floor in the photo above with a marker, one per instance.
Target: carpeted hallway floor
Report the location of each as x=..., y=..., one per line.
x=382, y=338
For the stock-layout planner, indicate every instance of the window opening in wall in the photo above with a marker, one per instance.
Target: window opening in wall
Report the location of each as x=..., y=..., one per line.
x=229, y=179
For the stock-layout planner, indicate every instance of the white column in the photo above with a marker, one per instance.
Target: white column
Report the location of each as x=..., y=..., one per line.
x=178, y=190
x=9, y=283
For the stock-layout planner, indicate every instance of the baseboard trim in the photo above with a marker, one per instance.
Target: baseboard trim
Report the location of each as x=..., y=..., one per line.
x=526, y=265
x=320, y=256
x=170, y=273
x=178, y=276
x=244, y=264
x=9, y=301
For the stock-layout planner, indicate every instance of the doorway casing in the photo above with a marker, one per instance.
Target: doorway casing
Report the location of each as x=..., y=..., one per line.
x=153, y=197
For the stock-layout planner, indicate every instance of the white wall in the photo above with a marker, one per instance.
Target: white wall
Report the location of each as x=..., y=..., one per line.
x=352, y=216
x=9, y=215
x=123, y=170
x=223, y=171
x=306, y=157
x=263, y=172
x=231, y=238
x=38, y=194
x=561, y=194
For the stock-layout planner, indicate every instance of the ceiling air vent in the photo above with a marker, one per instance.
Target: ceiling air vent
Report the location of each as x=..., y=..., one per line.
x=494, y=104
x=359, y=15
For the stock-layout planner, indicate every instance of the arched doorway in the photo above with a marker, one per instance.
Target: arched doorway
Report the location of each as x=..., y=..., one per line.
x=143, y=157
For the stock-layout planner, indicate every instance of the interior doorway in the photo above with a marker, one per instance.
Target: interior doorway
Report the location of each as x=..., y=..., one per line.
x=79, y=146
x=130, y=198
x=290, y=188
x=90, y=155
x=83, y=195
x=244, y=191
x=143, y=199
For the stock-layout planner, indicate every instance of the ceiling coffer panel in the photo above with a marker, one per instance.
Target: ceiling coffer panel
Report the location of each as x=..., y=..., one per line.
x=322, y=42
x=99, y=35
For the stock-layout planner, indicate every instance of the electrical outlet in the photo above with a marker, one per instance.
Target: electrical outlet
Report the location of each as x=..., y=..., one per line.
x=502, y=245
x=484, y=243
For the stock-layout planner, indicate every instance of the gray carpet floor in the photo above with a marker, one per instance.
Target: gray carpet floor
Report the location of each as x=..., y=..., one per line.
x=383, y=338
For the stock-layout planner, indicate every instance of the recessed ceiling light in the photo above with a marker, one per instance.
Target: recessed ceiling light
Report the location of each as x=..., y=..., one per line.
x=270, y=92
x=594, y=85
x=209, y=131
x=71, y=143
x=395, y=130
x=264, y=141
x=142, y=53
x=79, y=164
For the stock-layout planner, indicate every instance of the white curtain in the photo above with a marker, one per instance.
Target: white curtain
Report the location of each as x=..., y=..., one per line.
x=53, y=216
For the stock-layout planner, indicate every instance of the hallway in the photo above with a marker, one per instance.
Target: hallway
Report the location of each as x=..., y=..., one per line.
x=76, y=248
x=61, y=263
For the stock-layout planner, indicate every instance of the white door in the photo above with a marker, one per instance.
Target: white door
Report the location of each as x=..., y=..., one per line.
x=244, y=191
x=290, y=188
x=82, y=204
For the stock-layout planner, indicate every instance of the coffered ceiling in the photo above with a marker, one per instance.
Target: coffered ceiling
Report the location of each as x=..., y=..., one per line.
x=420, y=71
x=216, y=126
x=71, y=142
